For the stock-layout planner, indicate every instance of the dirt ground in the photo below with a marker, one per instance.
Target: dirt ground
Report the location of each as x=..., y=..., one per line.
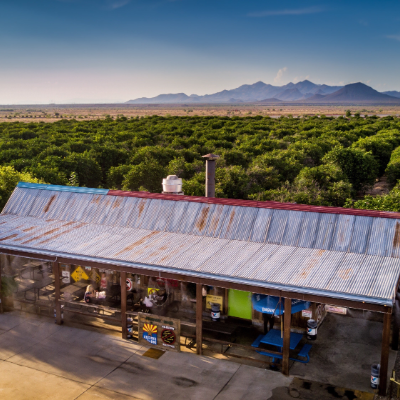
x=54, y=112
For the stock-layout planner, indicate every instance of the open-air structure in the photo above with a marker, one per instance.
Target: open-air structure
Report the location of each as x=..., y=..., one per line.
x=344, y=257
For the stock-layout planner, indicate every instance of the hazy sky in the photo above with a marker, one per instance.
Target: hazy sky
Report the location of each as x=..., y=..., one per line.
x=115, y=50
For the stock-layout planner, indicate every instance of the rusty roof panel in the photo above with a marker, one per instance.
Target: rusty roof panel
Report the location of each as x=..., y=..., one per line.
x=261, y=225
x=344, y=275
x=215, y=218
x=308, y=231
x=343, y=232
x=361, y=232
x=199, y=253
x=277, y=226
x=199, y=226
x=252, y=265
x=378, y=238
x=293, y=228
x=326, y=227
x=191, y=213
x=178, y=213
x=246, y=224
x=270, y=265
x=343, y=255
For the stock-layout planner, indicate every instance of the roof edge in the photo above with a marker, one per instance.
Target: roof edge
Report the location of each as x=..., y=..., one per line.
x=60, y=188
x=259, y=204
x=387, y=302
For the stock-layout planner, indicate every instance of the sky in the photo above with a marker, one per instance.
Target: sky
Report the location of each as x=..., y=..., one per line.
x=102, y=51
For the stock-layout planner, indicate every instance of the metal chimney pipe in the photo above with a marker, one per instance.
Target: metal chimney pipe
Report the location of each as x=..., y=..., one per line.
x=210, y=174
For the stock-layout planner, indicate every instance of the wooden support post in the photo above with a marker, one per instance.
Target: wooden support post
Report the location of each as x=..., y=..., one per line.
x=396, y=325
x=384, y=355
x=199, y=318
x=286, y=336
x=123, y=305
x=226, y=305
x=1, y=292
x=57, y=286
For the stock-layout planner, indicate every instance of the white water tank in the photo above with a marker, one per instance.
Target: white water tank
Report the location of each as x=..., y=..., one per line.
x=172, y=184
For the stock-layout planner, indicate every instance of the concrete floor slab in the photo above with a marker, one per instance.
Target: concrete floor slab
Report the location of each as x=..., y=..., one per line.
x=103, y=394
x=77, y=363
x=343, y=353
x=172, y=376
x=253, y=383
x=21, y=383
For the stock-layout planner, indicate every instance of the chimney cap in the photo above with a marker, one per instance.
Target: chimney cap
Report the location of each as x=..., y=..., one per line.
x=211, y=156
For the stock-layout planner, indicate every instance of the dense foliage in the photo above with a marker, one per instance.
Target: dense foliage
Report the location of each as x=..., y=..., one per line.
x=312, y=160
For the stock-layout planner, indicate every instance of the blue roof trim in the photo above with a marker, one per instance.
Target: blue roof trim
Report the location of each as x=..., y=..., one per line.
x=60, y=188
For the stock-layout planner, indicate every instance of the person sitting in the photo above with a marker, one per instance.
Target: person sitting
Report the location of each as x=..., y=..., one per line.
x=90, y=294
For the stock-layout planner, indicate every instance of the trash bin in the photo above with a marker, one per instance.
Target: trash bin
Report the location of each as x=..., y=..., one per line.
x=215, y=311
x=312, y=329
x=375, y=368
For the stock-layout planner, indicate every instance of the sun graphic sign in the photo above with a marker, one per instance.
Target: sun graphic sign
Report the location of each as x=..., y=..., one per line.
x=150, y=333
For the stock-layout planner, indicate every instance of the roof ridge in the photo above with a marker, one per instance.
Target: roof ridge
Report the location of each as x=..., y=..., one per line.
x=214, y=200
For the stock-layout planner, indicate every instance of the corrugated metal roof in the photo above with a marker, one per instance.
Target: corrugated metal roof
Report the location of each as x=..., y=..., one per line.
x=343, y=256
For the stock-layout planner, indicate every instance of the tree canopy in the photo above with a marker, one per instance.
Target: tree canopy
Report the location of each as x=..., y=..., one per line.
x=311, y=159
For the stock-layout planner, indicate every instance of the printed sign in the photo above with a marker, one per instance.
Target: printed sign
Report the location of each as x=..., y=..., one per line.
x=336, y=310
x=306, y=313
x=94, y=276
x=150, y=333
x=214, y=299
x=129, y=284
x=152, y=291
x=66, y=277
x=160, y=332
x=79, y=274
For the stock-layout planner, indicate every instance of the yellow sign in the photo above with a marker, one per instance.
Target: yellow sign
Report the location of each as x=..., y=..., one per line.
x=94, y=276
x=79, y=274
x=214, y=299
x=152, y=291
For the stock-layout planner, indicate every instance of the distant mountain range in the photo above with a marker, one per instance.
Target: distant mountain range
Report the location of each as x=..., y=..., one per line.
x=301, y=92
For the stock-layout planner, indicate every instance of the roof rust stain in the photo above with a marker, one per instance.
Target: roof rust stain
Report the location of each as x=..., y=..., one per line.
x=1, y=223
x=63, y=233
x=9, y=237
x=42, y=235
x=50, y=202
x=141, y=207
x=96, y=199
x=137, y=243
x=345, y=274
x=231, y=220
x=396, y=239
x=215, y=220
x=117, y=202
x=201, y=222
x=28, y=229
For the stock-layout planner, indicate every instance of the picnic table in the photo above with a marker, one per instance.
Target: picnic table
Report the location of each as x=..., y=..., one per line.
x=273, y=338
x=30, y=267
x=37, y=286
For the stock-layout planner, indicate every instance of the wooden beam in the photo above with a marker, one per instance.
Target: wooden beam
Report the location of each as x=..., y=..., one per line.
x=384, y=355
x=57, y=287
x=123, y=305
x=286, y=335
x=199, y=318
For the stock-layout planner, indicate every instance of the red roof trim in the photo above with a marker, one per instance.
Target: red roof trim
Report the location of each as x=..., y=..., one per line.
x=258, y=204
